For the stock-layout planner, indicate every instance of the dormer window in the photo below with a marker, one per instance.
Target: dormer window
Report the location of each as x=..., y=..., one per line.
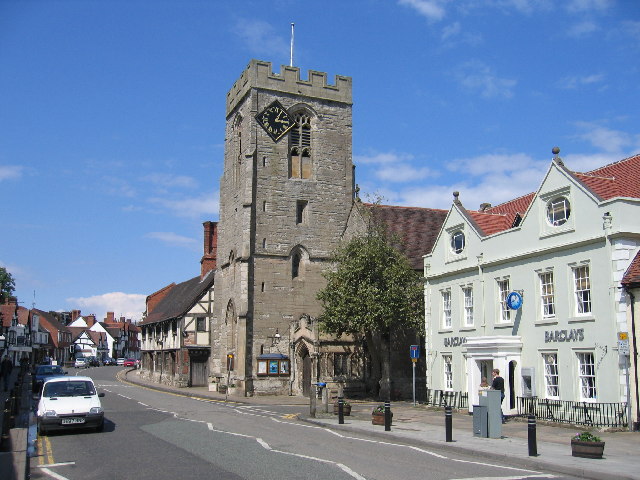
x=457, y=242
x=558, y=211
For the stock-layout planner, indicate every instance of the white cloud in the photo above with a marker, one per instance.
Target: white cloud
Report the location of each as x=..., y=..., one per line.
x=606, y=139
x=174, y=240
x=166, y=180
x=450, y=31
x=477, y=76
x=204, y=206
x=575, y=81
x=433, y=10
x=8, y=172
x=261, y=39
x=129, y=305
x=588, y=5
x=582, y=29
x=394, y=167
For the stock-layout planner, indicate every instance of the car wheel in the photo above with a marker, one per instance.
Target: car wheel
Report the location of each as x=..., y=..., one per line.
x=41, y=430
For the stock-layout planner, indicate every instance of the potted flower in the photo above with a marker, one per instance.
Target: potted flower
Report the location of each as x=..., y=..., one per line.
x=346, y=408
x=586, y=445
x=377, y=415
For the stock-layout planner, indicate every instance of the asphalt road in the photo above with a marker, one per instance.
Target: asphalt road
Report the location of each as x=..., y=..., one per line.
x=154, y=435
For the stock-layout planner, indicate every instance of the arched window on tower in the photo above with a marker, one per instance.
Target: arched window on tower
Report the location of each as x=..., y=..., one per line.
x=295, y=265
x=300, y=147
x=237, y=150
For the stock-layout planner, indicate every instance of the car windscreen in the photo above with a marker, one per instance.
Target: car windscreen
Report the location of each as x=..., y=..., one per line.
x=73, y=388
x=49, y=370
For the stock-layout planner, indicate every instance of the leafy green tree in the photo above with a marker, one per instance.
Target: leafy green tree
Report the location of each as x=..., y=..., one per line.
x=372, y=292
x=7, y=285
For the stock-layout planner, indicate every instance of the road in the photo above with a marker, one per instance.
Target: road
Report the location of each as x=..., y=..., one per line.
x=156, y=435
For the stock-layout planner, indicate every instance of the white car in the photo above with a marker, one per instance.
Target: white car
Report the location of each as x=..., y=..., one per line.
x=69, y=402
x=120, y=361
x=81, y=362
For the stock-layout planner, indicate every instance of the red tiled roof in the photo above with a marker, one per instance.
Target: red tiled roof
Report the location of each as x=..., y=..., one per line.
x=619, y=179
x=631, y=277
x=517, y=205
x=490, y=223
x=417, y=228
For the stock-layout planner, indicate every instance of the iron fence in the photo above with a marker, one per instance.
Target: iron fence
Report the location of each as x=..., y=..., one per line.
x=576, y=413
x=444, y=398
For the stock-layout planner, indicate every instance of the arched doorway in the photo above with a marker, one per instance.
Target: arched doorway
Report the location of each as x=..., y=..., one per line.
x=305, y=361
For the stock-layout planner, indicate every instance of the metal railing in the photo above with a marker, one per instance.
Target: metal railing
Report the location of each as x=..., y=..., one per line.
x=575, y=413
x=445, y=398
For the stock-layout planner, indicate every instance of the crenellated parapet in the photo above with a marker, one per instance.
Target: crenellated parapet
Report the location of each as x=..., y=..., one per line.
x=259, y=74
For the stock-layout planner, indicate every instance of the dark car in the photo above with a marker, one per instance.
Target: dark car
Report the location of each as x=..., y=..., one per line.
x=44, y=373
x=93, y=361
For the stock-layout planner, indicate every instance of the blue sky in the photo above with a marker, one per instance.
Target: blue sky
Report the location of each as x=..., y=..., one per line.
x=112, y=117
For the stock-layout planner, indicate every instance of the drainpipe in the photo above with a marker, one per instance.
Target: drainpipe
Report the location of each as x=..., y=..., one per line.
x=481, y=278
x=635, y=357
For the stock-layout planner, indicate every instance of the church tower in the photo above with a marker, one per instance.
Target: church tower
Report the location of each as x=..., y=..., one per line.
x=285, y=196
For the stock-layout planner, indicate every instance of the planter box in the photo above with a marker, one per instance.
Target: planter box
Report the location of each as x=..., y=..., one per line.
x=587, y=449
x=378, y=418
x=213, y=387
x=346, y=409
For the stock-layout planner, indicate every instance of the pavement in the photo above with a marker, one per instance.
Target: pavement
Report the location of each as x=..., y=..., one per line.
x=14, y=461
x=424, y=426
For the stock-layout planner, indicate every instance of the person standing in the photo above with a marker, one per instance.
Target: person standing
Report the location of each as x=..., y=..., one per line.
x=5, y=371
x=498, y=384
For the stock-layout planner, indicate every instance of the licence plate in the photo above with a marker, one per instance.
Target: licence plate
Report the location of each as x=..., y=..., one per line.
x=72, y=420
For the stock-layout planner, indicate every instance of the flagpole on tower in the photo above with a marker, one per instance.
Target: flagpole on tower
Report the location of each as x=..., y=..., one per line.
x=291, y=57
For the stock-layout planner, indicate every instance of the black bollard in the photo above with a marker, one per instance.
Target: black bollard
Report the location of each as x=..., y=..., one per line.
x=4, y=438
x=448, y=423
x=533, y=444
x=387, y=416
x=340, y=410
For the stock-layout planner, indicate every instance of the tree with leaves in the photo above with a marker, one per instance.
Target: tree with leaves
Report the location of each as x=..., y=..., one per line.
x=373, y=293
x=7, y=285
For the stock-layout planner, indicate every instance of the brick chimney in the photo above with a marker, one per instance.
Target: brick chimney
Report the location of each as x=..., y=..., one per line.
x=208, y=261
x=91, y=320
x=74, y=315
x=110, y=317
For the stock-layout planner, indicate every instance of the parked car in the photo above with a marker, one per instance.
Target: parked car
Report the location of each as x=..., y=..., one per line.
x=129, y=362
x=120, y=361
x=109, y=361
x=81, y=362
x=69, y=402
x=93, y=361
x=44, y=373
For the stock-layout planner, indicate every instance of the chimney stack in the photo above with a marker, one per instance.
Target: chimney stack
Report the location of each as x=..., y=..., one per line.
x=74, y=315
x=110, y=317
x=208, y=261
x=91, y=320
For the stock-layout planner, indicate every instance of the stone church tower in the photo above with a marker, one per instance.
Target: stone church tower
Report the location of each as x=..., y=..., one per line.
x=284, y=205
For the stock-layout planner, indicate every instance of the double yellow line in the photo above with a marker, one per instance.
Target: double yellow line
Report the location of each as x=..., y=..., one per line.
x=44, y=446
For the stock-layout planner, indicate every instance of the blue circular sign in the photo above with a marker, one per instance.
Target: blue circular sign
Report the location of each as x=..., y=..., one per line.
x=514, y=300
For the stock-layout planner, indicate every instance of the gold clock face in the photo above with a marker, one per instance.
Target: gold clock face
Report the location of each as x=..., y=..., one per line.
x=275, y=120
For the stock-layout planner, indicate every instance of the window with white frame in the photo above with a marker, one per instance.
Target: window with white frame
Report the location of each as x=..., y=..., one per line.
x=448, y=372
x=467, y=294
x=446, y=308
x=582, y=285
x=503, y=293
x=547, y=295
x=587, y=376
x=558, y=211
x=551, y=374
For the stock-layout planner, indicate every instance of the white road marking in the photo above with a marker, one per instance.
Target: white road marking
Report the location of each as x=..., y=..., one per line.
x=59, y=464
x=542, y=475
x=53, y=474
x=143, y=404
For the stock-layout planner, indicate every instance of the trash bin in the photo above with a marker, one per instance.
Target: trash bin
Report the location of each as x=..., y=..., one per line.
x=480, y=421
